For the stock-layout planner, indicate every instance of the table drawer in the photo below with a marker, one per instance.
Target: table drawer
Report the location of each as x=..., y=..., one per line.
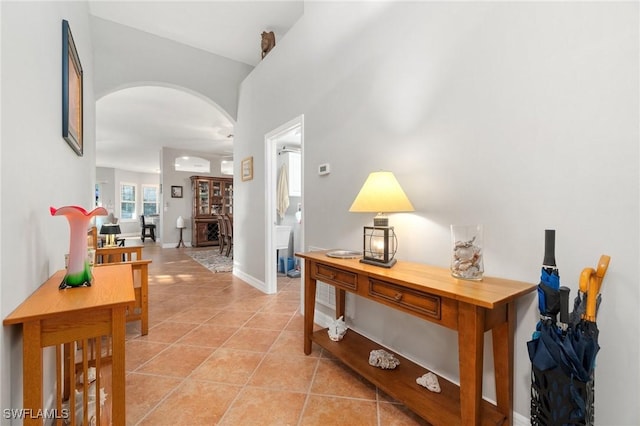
x=423, y=303
x=337, y=277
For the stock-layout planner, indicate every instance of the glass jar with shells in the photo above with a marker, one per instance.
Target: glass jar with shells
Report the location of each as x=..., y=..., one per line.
x=466, y=256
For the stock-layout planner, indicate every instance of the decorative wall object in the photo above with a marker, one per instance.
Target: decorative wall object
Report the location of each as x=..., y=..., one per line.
x=72, y=94
x=268, y=42
x=79, y=268
x=176, y=191
x=247, y=168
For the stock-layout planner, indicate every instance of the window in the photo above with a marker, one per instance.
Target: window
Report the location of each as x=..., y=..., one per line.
x=295, y=174
x=149, y=199
x=127, y=201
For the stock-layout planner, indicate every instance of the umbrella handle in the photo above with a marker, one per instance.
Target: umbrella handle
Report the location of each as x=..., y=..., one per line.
x=585, y=277
x=603, y=265
x=595, y=283
x=549, y=248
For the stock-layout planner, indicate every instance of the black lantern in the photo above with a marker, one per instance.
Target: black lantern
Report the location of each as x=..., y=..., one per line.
x=380, y=244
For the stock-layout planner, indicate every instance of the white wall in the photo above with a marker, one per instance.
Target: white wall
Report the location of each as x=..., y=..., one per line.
x=126, y=57
x=38, y=169
x=518, y=116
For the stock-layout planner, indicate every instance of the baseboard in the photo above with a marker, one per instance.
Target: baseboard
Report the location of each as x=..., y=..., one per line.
x=520, y=420
x=174, y=245
x=252, y=281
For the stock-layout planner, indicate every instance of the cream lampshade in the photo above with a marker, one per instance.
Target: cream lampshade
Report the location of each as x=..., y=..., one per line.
x=381, y=193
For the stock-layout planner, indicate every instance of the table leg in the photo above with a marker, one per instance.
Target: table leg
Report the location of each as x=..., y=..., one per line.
x=503, y=340
x=66, y=387
x=470, y=354
x=32, y=371
x=118, y=366
x=180, y=242
x=309, y=306
x=341, y=296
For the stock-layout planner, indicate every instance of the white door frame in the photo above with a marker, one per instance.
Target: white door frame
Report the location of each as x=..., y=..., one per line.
x=271, y=169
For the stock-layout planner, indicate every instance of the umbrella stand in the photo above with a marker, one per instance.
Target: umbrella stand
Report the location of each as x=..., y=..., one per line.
x=563, y=356
x=559, y=399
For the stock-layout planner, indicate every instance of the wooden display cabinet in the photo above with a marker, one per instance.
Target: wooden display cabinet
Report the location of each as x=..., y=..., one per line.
x=212, y=196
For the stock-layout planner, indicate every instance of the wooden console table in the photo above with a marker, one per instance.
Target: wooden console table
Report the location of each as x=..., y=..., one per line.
x=430, y=293
x=118, y=254
x=52, y=317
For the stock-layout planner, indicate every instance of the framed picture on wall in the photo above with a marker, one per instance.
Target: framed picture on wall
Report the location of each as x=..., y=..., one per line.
x=247, y=168
x=176, y=191
x=71, y=92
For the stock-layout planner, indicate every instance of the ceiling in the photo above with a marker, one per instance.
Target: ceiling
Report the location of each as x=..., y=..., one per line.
x=132, y=125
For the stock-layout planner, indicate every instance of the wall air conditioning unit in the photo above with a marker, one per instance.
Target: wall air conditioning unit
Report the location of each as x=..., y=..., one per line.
x=226, y=167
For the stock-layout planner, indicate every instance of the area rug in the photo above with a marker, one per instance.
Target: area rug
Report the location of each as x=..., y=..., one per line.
x=213, y=260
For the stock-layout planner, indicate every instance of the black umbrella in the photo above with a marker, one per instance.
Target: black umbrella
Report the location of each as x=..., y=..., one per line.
x=549, y=286
x=548, y=305
x=563, y=358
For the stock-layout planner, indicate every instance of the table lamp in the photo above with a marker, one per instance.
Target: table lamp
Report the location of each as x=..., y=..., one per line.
x=381, y=193
x=110, y=230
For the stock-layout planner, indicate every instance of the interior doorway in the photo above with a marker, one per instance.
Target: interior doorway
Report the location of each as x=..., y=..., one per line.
x=285, y=207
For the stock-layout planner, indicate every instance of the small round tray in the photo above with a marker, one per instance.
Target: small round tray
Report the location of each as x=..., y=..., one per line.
x=344, y=254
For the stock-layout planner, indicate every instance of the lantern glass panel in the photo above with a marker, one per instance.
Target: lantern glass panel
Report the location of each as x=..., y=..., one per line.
x=379, y=245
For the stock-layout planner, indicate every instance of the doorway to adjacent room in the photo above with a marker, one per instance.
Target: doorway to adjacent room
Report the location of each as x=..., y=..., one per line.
x=284, y=193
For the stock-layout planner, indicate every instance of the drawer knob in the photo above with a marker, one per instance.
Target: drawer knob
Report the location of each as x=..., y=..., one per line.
x=332, y=276
x=398, y=297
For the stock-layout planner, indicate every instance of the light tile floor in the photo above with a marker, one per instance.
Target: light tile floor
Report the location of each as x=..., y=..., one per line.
x=221, y=352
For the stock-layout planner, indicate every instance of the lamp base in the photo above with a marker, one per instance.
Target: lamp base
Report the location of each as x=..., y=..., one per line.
x=388, y=264
x=381, y=220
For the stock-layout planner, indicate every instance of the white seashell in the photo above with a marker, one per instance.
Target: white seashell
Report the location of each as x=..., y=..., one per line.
x=91, y=374
x=383, y=359
x=463, y=266
x=337, y=330
x=429, y=381
x=464, y=253
x=473, y=270
x=467, y=260
x=91, y=405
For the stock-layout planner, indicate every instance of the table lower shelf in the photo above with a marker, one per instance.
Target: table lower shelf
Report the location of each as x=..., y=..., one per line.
x=437, y=408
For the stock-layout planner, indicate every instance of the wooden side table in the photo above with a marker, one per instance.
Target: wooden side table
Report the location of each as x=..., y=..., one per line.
x=52, y=317
x=432, y=294
x=118, y=254
x=181, y=242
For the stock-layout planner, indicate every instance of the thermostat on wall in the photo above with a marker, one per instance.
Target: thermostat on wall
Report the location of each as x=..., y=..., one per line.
x=324, y=169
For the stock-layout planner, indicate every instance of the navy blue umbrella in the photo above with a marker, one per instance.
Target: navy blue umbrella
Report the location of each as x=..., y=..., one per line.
x=549, y=286
x=563, y=353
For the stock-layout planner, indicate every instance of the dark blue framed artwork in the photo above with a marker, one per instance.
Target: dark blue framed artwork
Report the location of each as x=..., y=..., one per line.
x=71, y=92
